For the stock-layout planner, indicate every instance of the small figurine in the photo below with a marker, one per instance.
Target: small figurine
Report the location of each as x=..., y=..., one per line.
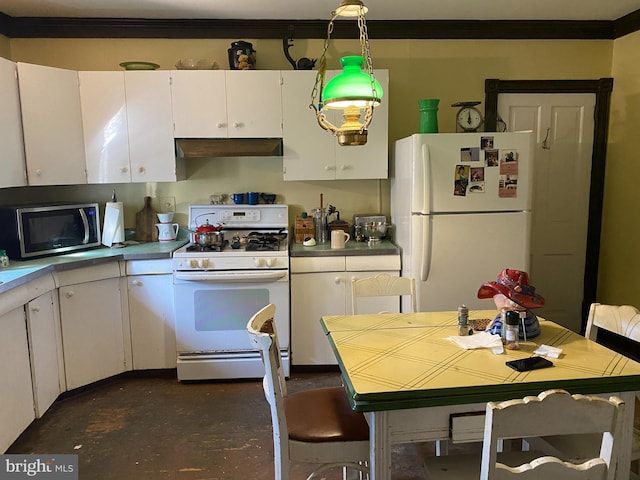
x=512, y=291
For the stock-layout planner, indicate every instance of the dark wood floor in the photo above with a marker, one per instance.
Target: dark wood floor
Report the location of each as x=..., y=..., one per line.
x=158, y=428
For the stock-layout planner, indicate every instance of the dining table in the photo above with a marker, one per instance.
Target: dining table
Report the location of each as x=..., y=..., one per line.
x=414, y=382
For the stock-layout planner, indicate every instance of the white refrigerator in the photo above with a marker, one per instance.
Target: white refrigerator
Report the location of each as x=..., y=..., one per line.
x=461, y=209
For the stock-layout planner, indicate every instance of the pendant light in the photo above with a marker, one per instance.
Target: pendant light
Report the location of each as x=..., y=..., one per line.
x=355, y=91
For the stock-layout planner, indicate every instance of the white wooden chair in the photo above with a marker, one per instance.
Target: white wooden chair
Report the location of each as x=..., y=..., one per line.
x=622, y=320
x=553, y=412
x=383, y=285
x=315, y=426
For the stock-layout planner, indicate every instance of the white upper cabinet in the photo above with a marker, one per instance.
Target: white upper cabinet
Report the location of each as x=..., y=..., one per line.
x=128, y=127
x=150, y=122
x=226, y=104
x=199, y=102
x=52, y=125
x=311, y=153
x=104, y=121
x=11, y=144
x=254, y=103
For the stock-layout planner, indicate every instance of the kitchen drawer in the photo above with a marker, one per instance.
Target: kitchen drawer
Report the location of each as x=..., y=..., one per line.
x=87, y=274
x=372, y=262
x=149, y=267
x=317, y=264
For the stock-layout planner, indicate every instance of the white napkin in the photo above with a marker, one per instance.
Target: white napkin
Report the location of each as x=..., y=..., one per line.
x=479, y=340
x=548, y=351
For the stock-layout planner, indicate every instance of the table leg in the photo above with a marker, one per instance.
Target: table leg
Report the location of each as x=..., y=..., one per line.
x=380, y=449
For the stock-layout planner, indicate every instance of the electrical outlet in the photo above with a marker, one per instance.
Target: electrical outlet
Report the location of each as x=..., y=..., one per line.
x=164, y=204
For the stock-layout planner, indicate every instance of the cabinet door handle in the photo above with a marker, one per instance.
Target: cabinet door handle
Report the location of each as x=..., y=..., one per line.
x=221, y=125
x=237, y=124
x=136, y=282
x=35, y=309
x=337, y=280
x=70, y=294
x=124, y=169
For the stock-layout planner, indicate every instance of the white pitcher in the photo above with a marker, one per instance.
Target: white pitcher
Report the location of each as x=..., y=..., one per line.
x=167, y=232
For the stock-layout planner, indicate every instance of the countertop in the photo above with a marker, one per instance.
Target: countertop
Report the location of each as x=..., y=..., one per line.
x=20, y=272
x=384, y=247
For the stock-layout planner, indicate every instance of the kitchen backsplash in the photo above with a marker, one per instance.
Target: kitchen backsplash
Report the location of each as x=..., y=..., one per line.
x=220, y=175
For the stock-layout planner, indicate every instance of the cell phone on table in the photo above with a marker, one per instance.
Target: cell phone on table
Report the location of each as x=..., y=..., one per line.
x=530, y=363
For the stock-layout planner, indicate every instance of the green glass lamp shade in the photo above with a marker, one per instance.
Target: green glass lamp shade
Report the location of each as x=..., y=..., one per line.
x=352, y=87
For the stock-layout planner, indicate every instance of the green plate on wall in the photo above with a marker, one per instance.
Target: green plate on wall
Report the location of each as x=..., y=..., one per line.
x=139, y=66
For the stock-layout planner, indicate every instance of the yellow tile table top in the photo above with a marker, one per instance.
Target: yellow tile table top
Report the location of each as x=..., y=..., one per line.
x=393, y=361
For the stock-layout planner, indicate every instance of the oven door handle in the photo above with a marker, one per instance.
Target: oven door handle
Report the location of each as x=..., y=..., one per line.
x=231, y=276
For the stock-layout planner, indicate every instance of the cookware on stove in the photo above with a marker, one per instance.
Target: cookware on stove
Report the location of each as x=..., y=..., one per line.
x=207, y=234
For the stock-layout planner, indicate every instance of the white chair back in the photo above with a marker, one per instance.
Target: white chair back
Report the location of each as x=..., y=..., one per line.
x=553, y=412
x=383, y=285
x=622, y=320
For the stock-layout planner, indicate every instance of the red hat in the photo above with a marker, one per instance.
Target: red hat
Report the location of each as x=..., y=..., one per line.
x=513, y=284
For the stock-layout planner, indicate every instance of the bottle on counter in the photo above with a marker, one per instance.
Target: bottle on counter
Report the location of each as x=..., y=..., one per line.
x=4, y=260
x=511, y=328
x=463, y=320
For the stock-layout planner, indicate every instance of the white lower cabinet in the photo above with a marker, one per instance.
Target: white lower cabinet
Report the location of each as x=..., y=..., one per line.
x=16, y=400
x=322, y=286
x=45, y=346
x=153, y=339
x=95, y=330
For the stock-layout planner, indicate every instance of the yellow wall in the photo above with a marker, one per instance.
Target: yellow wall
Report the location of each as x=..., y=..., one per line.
x=619, y=282
x=5, y=50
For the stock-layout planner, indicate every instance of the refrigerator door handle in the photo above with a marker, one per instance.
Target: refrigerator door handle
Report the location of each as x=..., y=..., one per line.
x=421, y=190
x=425, y=266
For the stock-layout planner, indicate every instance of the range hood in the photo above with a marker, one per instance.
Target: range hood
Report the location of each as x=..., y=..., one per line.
x=228, y=147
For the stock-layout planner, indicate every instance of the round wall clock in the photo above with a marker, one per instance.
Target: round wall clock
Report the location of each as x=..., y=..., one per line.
x=468, y=118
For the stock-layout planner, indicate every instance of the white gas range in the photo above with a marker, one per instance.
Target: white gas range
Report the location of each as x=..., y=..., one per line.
x=218, y=288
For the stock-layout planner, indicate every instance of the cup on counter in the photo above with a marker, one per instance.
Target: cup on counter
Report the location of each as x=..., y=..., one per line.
x=252, y=198
x=237, y=198
x=339, y=238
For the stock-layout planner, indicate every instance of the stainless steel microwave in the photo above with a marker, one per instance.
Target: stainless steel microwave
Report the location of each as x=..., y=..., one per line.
x=41, y=230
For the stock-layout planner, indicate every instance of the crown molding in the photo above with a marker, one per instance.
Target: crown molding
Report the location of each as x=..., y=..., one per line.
x=67, y=27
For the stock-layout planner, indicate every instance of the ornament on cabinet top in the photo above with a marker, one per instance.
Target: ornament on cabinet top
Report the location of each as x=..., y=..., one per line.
x=468, y=118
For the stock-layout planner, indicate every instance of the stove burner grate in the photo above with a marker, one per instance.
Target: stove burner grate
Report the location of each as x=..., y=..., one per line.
x=196, y=247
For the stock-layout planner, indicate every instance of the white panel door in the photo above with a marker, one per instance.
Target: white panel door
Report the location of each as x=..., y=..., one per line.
x=52, y=125
x=16, y=400
x=199, y=102
x=563, y=128
x=371, y=160
x=45, y=347
x=13, y=167
x=153, y=335
x=150, y=121
x=105, y=126
x=254, y=104
x=308, y=149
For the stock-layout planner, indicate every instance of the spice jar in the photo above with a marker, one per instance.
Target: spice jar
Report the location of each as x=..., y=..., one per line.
x=511, y=330
x=463, y=320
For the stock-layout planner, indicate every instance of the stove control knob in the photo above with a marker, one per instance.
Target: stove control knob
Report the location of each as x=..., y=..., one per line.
x=204, y=263
x=259, y=262
x=271, y=262
x=193, y=263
